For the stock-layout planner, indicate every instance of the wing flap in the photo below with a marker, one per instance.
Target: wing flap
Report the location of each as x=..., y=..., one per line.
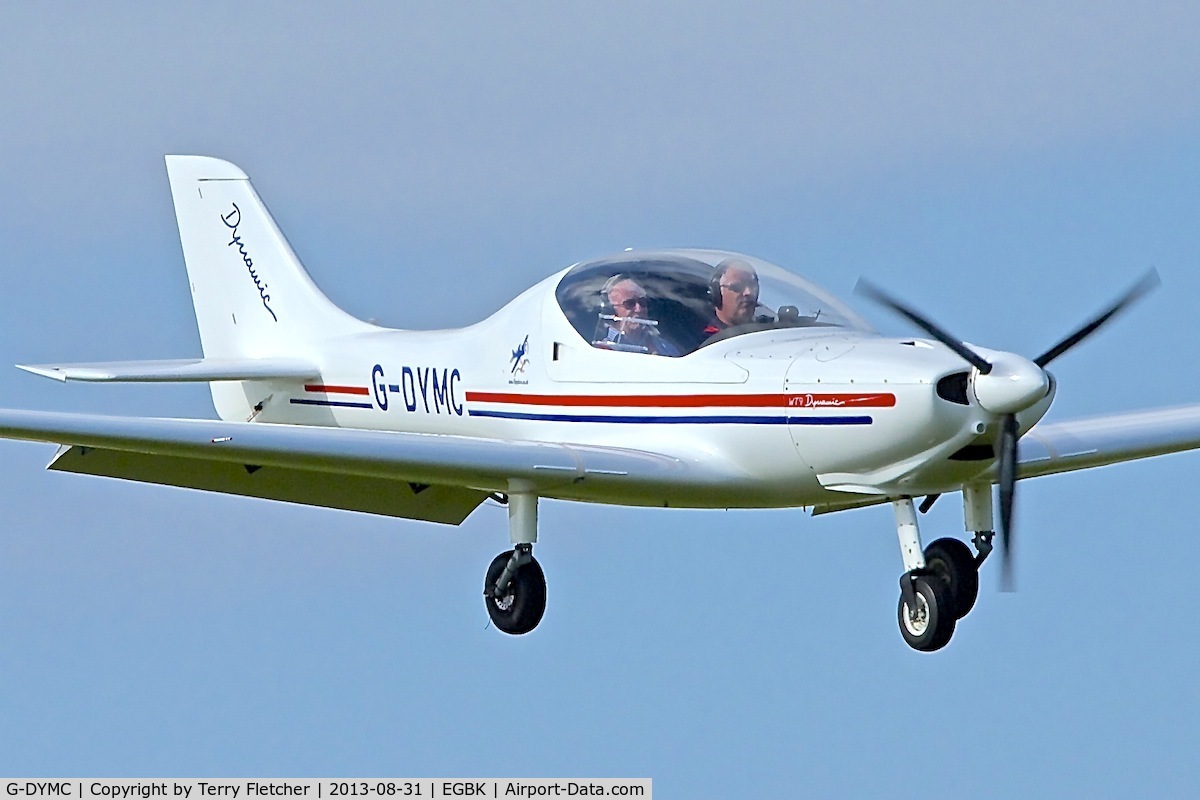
x=179, y=370
x=392, y=498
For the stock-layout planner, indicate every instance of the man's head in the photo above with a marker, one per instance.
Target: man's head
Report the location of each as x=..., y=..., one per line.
x=735, y=291
x=627, y=299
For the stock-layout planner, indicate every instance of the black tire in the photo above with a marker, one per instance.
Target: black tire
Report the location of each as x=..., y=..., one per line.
x=954, y=563
x=521, y=607
x=935, y=623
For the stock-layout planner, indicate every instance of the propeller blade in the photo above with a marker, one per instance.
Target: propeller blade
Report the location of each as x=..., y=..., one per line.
x=878, y=295
x=1007, y=452
x=1006, y=440
x=1148, y=282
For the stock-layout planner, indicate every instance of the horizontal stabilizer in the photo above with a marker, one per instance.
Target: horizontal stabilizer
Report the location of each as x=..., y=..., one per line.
x=180, y=370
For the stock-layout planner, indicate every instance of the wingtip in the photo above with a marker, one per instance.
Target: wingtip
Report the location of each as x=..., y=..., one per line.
x=45, y=372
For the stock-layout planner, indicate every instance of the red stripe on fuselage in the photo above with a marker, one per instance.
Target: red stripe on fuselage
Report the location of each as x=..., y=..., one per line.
x=318, y=387
x=805, y=400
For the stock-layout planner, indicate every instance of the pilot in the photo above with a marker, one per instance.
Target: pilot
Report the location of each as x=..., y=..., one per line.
x=628, y=327
x=734, y=295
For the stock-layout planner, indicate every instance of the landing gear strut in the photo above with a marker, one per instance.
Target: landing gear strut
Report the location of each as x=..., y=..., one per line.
x=514, y=588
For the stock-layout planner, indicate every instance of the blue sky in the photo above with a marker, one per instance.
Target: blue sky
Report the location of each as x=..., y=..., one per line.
x=1007, y=170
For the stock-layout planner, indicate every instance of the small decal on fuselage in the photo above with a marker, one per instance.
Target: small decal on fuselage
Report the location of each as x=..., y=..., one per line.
x=839, y=400
x=519, y=362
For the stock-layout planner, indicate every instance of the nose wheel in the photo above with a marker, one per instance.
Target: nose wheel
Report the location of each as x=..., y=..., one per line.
x=926, y=613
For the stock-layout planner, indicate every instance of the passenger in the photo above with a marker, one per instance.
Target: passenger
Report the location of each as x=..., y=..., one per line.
x=734, y=295
x=627, y=327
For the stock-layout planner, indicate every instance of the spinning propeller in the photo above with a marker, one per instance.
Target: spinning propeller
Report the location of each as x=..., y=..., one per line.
x=1008, y=384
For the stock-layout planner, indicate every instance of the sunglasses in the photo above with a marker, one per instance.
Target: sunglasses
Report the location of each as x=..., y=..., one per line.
x=737, y=287
x=632, y=303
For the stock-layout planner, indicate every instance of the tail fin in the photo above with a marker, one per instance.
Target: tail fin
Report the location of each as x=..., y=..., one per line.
x=252, y=296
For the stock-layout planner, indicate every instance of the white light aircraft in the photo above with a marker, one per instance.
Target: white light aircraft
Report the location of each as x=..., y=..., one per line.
x=674, y=378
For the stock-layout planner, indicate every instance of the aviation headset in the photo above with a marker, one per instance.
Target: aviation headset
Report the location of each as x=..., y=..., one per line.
x=714, y=285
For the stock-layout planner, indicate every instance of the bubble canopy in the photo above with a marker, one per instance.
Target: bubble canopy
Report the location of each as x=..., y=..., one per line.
x=672, y=302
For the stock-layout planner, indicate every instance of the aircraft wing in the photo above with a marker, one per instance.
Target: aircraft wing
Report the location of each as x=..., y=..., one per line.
x=416, y=476
x=1054, y=447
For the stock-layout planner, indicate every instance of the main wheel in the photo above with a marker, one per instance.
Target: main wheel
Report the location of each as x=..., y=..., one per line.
x=931, y=627
x=951, y=561
x=520, y=608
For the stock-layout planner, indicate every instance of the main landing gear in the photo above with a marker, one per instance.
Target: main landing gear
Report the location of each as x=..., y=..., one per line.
x=940, y=583
x=514, y=588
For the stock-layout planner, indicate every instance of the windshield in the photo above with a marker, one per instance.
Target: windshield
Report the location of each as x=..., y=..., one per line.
x=670, y=303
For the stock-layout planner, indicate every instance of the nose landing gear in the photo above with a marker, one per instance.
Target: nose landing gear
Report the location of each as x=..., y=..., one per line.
x=941, y=582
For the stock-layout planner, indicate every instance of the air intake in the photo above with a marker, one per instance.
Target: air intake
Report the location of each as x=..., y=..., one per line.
x=953, y=388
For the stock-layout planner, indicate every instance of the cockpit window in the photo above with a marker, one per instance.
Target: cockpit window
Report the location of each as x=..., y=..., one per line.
x=671, y=303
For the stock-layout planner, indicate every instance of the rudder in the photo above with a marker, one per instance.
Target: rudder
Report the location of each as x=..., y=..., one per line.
x=252, y=296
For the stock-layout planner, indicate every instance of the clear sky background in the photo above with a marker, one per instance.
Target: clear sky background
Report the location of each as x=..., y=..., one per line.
x=1007, y=169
